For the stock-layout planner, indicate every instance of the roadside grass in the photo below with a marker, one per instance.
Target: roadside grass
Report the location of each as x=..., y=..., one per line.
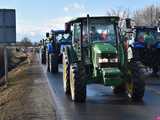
x=16, y=75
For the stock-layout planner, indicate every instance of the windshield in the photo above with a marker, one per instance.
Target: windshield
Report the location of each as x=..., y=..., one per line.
x=66, y=37
x=100, y=31
x=147, y=36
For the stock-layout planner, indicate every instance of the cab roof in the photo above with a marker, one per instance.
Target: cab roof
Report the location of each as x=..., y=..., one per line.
x=57, y=31
x=146, y=28
x=80, y=19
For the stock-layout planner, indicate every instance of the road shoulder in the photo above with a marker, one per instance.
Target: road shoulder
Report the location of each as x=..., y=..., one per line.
x=27, y=96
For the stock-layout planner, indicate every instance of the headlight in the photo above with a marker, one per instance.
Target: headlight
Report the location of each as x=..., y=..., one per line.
x=113, y=60
x=103, y=60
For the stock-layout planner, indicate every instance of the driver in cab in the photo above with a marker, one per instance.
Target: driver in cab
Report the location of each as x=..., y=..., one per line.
x=94, y=34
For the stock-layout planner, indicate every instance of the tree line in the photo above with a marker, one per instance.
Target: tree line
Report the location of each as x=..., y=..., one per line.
x=147, y=16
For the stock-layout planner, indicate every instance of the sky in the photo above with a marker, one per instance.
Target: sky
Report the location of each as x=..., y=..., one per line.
x=36, y=17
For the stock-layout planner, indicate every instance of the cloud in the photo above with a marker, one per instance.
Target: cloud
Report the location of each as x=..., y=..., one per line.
x=58, y=23
x=74, y=7
x=38, y=32
x=27, y=29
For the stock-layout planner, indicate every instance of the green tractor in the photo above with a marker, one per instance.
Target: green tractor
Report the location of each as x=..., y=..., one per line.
x=98, y=54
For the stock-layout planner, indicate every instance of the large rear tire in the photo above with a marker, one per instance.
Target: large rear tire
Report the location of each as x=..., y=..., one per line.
x=43, y=58
x=66, y=73
x=136, y=85
x=54, y=63
x=77, y=82
x=49, y=64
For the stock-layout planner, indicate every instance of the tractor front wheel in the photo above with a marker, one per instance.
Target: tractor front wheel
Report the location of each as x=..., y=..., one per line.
x=54, y=63
x=136, y=85
x=43, y=57
x=49, y=63
x=77, y=82
x=66, y=73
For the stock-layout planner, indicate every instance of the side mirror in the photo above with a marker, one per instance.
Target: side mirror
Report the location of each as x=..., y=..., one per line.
x=128, y=23
x=67, y=27
x=47, y=35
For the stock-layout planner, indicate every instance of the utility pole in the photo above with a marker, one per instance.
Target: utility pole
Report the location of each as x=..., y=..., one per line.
x=151, y=17
x=6, y=64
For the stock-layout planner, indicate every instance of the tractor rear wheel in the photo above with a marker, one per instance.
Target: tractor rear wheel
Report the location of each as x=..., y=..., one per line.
x=54, y=63
x=49, y=63
x=77, y=82
x=66, y=73
x=43, y=58
x=136, y=86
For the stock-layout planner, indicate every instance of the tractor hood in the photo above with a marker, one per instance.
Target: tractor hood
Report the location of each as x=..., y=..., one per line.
x=100, y=47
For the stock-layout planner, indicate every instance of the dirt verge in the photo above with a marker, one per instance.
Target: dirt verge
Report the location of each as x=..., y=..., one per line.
x=27, y=96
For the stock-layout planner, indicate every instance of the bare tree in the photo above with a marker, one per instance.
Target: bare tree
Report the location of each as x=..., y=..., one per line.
x=26, y=42
x=122, y=13
x=147, y=16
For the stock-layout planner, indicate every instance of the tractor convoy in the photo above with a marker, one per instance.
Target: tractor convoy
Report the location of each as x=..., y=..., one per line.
x=97, y=50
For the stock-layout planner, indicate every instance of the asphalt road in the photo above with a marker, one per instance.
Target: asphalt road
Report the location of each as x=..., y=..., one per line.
x=102, y=104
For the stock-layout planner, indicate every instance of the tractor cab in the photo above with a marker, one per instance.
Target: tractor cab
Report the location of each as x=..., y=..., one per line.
x=94, y=38
x=60, y=38
x=145, y=37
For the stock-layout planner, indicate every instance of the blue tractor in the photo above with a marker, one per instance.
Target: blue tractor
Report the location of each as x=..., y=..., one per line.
x=145, y=45
x=58, y=39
